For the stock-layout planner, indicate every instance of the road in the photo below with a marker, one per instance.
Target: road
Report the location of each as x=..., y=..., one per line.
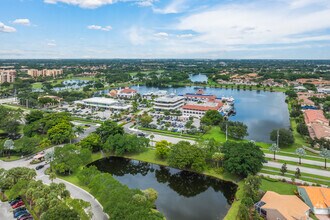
x=302, y=169
x=75, y=191
x=294, y=159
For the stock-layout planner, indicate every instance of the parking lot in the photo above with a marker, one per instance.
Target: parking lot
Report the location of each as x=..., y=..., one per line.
x=5, y=211
x=173, y=123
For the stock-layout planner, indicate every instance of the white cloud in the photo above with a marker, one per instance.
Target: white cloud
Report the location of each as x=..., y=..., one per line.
x=184, y=35
x=176, y=6
x=6, y=29
x=83, y=3
x=257, y=23
x=92, y=4
x=22, y=21
x=135, y=36
x=163, y=35
x=98, y=27
x=51, y=43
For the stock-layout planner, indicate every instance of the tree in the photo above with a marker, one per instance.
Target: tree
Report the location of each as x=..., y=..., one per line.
x=285, y=138
x=251, y=187
x=8, y=146
x=78, y=130
x=69, y=157
x=126, y=143
x=151, y=138
x=212, y=117
x=52, y=176
x=218, y=157
x=302, y=129
x=301, y=153
x=284, y=169
x=33, y=116
x=60, y=212
x=109, y=128
x=163, y=149
x=45, y=143
x=297, y=174
x=60, y=133
x=186, y=156
x=325, y=153
x=239, y=154
x=145, y=120
x=274, y=148
x=91, y=142
x=235, y=129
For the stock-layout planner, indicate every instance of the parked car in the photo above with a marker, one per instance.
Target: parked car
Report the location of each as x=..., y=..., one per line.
x=141, y=135
x=19, y=209
x=20, y=213
x=18, y=204
x=11, y=202
x=40, y=167
x=25, y=217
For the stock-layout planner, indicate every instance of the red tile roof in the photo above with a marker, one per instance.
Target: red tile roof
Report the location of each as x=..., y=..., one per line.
x=127, y=90
x=319, y=131
x=202, y=107
x=315, y=116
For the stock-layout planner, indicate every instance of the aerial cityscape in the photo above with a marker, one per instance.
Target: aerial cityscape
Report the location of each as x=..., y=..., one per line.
x=164, y=109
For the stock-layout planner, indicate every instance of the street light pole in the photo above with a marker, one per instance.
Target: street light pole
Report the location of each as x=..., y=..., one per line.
x=278, y=136
x=226, y=131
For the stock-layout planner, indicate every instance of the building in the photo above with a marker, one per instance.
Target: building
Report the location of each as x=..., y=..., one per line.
x=317, y=198
x=7, y=76
x=155, y=94
x=199, y=109
x=274, y=206
x=199, y=96
x=170, y=102
x=104, y=103
x=44, y=73
x=325, y=90
x=315, y=116
x=126, y=93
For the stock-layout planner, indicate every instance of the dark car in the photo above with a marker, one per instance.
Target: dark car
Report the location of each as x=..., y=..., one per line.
x=25, y=217
x=20, y=213
x=40, y=167
x=19, y=209
x=141, y=135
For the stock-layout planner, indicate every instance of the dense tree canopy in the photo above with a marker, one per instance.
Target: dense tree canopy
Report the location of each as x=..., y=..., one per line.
x=242, y=158
x=212, y=117
x=187, y=156
x=235, y=129
x=109, y=128
x=126, y=143
x=91, y=142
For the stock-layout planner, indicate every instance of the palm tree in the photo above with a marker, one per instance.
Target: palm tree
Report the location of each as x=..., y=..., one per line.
x=52, y=176
x=151, y=138
x=79, y=130
x=301, y=153
x=8, y=146
x=325, y=153
x=217, y=157
x=274, y=148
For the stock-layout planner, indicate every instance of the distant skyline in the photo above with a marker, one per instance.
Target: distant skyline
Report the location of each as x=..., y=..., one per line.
x=215, y=29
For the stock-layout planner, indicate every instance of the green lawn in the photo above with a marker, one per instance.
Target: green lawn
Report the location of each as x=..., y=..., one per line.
x=37, y=85
x=277, y=186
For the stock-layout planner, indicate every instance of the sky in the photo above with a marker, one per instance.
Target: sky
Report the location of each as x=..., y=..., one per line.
x=214, y=29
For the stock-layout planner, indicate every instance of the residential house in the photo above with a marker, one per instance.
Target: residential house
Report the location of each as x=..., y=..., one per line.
x=317, y=198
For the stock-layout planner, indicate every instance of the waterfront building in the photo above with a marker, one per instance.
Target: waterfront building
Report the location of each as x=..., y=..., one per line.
x=274, y=206
x=104, y=103
x=155, y=94
x=44, y=72
x=199, y=109
x=7, y=75
x=317, y=198
x=199, y=96
x=126, y=93
x=170, y=102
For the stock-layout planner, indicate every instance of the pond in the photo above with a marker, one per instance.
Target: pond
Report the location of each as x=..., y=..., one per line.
x=261, y=111
x=198, y=78
x=181, y=194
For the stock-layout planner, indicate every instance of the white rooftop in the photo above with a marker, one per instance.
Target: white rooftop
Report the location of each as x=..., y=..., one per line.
x=169, y=98
x=100, y=100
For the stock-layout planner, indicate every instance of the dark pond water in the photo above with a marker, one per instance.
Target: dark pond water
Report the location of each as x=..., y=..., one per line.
x=198, y=78
x=260, y=111
x=181, y=194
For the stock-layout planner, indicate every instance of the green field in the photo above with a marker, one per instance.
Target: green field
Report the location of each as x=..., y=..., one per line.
x=277, y=186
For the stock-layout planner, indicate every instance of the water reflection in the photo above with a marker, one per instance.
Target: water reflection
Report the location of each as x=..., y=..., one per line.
x=182, y=194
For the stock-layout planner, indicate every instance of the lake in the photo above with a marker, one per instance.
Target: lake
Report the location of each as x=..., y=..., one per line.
x=198, y=78
x=261, y=111
x=182, y=195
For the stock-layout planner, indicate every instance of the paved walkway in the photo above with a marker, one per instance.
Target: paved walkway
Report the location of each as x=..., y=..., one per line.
x=302, y=169
x=5, y=211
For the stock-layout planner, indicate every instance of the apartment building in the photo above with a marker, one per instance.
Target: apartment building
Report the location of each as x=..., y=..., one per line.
x=44, y=72
x=7, y=76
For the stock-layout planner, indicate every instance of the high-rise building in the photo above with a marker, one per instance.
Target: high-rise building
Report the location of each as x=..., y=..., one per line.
x=7, y=76
x=45, y=72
